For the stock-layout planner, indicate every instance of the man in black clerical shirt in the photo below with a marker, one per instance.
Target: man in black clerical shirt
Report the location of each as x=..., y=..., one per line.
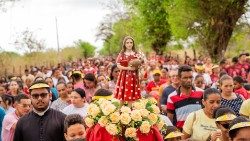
x=42, y=123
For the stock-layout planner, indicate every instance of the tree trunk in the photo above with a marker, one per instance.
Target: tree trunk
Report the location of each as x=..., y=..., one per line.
x=217, y=45
x=220, y=29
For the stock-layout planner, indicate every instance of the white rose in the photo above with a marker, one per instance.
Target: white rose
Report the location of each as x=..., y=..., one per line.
x=108, y=109
x=103, y=121
x=130, y=132
x=144, y=101
x=136, y=115
x=93, y=110
x=105, y=103
x=144, y=112
x=89, y=121
x=153, y=118
x=101, y=100
x=145, y=127
x=125, y=109
x=112, y=129
x=125, y=118
x=138, y=105
x=156, y=109
x=115, y=117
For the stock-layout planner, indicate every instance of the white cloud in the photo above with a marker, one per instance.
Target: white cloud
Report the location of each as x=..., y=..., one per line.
x=77, y=19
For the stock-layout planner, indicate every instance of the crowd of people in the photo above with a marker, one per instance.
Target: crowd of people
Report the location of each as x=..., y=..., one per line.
x=199, y=100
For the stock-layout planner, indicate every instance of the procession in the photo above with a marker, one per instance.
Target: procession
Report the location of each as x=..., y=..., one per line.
x=124, y=70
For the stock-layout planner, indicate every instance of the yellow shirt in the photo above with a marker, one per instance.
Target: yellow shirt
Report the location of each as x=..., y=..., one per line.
x=245, y=108
x=199, y=126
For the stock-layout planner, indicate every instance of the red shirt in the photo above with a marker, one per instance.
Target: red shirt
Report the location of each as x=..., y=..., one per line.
x=90, y=70
x=182, y=105
x=214, y=78
x=239, y=70
x=242, y=91
x=152, y=85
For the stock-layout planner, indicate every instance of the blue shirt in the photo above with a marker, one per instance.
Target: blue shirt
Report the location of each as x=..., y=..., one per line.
x=54, y=93
x=2, y=114
x=166, y=92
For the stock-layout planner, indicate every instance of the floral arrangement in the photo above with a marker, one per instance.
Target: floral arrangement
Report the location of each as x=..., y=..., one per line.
x=125, y=120
x=106, y=113
x=143, y=114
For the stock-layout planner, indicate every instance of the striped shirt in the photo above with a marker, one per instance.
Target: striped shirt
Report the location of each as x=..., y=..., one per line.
x=234, y=104
x=181, y=105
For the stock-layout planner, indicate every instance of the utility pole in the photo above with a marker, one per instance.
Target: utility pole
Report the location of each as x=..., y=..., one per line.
x=57, y=37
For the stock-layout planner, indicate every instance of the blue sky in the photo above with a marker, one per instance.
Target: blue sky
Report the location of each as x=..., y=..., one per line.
x=77, y=19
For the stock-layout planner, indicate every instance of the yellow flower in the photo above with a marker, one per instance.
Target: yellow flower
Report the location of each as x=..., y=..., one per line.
x=103, y=121
x=112, y=129
x=125, y=118
x=89, y=121
x=145, y=127
x=156, y=109
x=93, y=110
x=115, y=117
x=144, y=112
x=136, y=115
x=108, y=109
x=153, y=118
x=144, y=101
x=138, y=105
x=105, y=103
x=160, y=124
x=125, y=109
x=130, y=132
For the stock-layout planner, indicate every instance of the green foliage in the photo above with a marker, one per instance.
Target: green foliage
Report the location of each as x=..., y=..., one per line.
x=154, y=19
x=240, y=41
x=212, y=21
x=147, y=24
x=88, y=50
x=182, y=15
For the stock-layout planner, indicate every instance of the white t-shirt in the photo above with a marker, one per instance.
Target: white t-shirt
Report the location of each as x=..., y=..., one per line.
x=71, y=109
x=199, y=126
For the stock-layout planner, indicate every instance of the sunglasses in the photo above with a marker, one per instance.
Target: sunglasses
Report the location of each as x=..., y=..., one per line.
x=42, y=95
x=226, y=125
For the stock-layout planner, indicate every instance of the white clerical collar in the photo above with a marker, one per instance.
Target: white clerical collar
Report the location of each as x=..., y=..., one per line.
x=41, y=113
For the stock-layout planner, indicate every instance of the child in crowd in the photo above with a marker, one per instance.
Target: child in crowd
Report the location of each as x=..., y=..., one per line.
x=74, y=129
x=239, y=129
x=223, y=116
x=78, y=103
x=239, y=87
x=172, y=134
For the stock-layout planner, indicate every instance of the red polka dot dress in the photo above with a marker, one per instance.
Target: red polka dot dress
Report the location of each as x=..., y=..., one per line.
x=127, y=86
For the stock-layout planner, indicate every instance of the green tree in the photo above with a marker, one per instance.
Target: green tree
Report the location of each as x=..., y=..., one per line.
x=212, y=21
x=154, y=19
x=87, y=49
